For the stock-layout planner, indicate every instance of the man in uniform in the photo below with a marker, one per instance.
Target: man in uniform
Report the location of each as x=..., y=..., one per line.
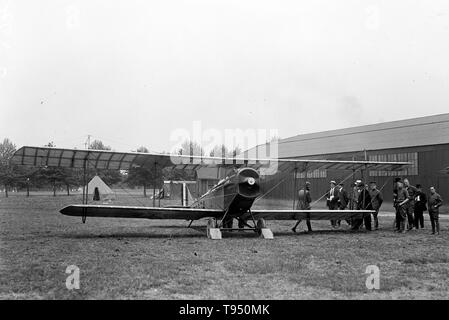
x=395, y=196
x=395, y=187
x=410, y=208
x=420, y=207
x=304, y=204
x=376, y=202
x=401, y=200
x=332, y=200
x=435, y=203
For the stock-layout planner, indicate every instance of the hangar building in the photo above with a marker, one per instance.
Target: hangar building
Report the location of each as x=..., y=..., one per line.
x=422, y=141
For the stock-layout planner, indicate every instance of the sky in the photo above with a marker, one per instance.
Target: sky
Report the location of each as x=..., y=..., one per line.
x=147, y=73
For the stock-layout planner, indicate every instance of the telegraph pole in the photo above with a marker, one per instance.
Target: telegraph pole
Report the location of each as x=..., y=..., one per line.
x=87, y=143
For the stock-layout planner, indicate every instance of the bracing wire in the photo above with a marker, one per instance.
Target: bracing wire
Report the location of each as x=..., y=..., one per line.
x=317, y=200
x=120, y=186
x=274, y=187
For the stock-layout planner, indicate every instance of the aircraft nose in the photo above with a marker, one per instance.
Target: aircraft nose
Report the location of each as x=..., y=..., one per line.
x=248, y=182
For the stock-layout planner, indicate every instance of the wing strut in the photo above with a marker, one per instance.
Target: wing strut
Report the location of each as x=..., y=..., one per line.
x=85, y=191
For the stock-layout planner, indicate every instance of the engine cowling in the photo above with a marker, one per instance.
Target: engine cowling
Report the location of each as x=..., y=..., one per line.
x=242, y=192
x=248, y=183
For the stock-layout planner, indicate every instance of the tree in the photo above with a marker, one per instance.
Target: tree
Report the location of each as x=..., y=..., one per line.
x=142, y=150
x=7, y=172
x=191, y=148
x=98, y=145
x=188, y=148
x=144, y=176
x=222, y=151
x=219, y=151
x=110, y=177
x=49, y=176
x=56, y=176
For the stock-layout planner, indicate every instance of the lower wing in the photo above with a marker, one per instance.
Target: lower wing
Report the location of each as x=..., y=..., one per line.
x=309, y=214
x=140, y=212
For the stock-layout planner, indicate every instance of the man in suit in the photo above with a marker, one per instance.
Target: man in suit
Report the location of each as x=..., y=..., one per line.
x=420, y=207
x=434, y=204
x=343, y=201
x=332, y=200
x=376, y=202
x=304, y=200
x=363, y=203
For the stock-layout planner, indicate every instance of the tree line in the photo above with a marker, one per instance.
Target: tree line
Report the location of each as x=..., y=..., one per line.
x=15, y=177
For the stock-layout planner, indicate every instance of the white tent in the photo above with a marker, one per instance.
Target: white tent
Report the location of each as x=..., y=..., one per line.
x=104, y=190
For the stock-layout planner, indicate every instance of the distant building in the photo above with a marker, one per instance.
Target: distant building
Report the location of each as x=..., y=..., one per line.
x=422, y=141
x=206, y=179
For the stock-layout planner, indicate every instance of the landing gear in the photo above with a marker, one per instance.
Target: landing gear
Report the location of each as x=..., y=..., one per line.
x=214, y=228
x=260, y=225
x=213, y=232
x=262, y=229
x=228, y=223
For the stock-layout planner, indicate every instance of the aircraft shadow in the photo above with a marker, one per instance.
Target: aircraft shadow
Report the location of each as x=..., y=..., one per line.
x=131, y=235
x=200, y=233
x=317, y=232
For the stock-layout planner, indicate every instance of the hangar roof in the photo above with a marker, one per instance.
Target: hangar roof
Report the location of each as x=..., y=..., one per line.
x=424, y=131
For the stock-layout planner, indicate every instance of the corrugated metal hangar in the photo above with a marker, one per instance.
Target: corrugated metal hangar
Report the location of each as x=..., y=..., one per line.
x=423, y=141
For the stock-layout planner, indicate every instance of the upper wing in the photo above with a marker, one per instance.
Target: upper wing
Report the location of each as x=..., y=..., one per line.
x=74, y=158
x=140, y=212
x=309, y=214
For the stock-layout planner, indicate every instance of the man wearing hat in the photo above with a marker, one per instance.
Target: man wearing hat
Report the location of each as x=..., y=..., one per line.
x=304, y=204
x=435, y=203
x=343, y=200
x=395, y=186
x=376, y=202
x=332, y=199
x=363, y=203
x=355, y=195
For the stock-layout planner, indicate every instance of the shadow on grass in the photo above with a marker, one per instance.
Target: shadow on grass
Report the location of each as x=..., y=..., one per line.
x=200, y=233
x=425, y=260
x=123, y=235
x=320, y=232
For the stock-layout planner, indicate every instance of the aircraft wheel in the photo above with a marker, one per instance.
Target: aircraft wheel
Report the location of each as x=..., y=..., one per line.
x=261, y=225
x=229, y=223
x=241, y=224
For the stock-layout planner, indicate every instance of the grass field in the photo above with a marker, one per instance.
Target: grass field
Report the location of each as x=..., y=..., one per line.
x=140, y=259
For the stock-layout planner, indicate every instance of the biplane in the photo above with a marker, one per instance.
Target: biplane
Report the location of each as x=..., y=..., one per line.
x=231, y=199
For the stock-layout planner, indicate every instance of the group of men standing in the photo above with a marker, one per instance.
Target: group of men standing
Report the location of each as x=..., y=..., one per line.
x=410, y=202
x=364, y=197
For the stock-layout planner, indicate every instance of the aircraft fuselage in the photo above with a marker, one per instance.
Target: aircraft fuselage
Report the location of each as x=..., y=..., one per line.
x=234, y=194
